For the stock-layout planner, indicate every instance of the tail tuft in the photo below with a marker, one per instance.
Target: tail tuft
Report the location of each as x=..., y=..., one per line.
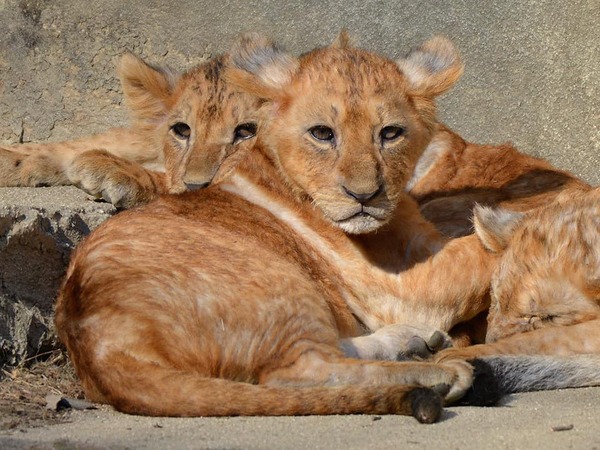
x=485, y=390
x=426, y=405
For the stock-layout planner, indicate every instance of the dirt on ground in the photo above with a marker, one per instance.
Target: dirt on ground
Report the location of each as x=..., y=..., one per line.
x=24, y=391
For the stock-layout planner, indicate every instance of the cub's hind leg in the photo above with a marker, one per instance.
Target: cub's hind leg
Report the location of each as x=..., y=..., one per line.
x=324, y=365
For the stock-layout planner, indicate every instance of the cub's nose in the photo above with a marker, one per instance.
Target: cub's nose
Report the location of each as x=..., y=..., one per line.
x=361, y=197
x=196, y=186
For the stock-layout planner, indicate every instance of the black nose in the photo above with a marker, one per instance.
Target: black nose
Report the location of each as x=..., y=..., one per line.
x=362, y=197
x=196, y=186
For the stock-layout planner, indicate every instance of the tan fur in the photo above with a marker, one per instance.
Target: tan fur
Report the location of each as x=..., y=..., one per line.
x=454, y=176
x=129, y=166
x=546, y=289
x=234, y=300
x=451, y=177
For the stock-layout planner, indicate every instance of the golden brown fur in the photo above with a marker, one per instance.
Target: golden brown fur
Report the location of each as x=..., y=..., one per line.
x=546, y=289
x=234, y=300
x=129, y=166
x=451, y=178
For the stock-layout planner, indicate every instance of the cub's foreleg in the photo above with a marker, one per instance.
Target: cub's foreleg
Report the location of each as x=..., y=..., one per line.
x=397, y=342
x=446, y=289
x=582, y=338
x=119, y=181
x=112, y=165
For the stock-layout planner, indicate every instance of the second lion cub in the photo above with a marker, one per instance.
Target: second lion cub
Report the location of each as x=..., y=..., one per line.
x=546, y=289
x=183, y=127
x=544, y=322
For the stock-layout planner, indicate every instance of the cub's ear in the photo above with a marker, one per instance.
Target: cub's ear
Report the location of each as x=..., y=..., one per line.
x=432, y=68
x=343, y=40
x=494, y=227
x=260, y=67
x=146, y=88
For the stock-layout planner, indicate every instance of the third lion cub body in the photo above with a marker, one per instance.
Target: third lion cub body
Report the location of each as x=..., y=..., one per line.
x=546, y=289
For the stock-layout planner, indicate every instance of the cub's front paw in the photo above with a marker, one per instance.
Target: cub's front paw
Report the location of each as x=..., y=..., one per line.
x=118, y=181
x=397, y=342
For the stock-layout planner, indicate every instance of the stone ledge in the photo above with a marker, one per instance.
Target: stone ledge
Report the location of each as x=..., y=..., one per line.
x=39, y=227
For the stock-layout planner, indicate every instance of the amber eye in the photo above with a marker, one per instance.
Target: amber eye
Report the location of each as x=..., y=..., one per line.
x=391, y=133
x=244, y=131
x=322, y=133
x=181, y=130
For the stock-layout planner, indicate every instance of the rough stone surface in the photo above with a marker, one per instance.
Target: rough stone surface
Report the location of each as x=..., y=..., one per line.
x=38, y=230
x=532, y=77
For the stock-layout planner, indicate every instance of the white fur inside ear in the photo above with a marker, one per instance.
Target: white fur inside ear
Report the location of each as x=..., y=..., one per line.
x=432, y=68
x=265, y=60
x=494, y=226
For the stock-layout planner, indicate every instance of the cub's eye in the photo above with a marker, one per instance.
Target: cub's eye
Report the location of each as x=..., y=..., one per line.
x=181, y=130
x=244, y=131
x=322, y=133
x=391, y=133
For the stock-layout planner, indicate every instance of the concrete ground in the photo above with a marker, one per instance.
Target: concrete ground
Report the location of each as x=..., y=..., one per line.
x=566, y=419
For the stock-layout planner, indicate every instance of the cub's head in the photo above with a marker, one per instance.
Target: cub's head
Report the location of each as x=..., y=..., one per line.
x=195, y=120
x=549, y=272
x=346, y=126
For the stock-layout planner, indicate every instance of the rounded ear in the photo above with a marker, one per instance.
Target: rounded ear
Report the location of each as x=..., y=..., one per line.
x=260, y=67
x=146, y=88
x=432, y=68
x=494, y=227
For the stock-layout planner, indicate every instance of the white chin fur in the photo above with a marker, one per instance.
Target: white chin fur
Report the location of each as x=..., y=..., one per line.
x=360, y=225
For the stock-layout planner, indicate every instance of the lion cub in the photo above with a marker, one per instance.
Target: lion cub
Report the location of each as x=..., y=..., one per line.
x=233, y=300
x=183, y=125
x=545, y=293
x=546, y=289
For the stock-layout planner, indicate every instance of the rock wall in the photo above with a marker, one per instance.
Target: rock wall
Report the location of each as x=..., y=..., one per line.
x=532, y=67
x=38, y=230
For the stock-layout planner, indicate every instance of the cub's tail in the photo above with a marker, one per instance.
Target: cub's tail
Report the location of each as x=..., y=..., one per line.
x=523, y=373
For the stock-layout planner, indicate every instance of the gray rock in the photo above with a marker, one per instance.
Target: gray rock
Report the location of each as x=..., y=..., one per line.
x=39, y=227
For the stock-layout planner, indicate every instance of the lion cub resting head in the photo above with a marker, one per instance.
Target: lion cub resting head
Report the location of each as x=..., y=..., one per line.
x=544, y=321
x=549, y=275
x=183, y=127
x=233, y=300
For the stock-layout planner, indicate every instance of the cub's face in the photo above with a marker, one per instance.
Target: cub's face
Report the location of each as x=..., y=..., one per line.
x=207, y=121
x=549, y=274
x=196, y=120
x=344, y=125
x=347, y=135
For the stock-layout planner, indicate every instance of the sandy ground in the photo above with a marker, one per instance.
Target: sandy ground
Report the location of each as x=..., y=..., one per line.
x=566, y=419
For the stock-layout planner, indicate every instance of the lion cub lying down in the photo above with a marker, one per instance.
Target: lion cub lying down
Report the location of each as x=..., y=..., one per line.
x=233, y=300
x=545, y=292
x=182, y=126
